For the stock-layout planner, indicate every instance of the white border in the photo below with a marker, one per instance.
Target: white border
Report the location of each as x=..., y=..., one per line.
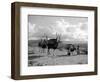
x=25, y=70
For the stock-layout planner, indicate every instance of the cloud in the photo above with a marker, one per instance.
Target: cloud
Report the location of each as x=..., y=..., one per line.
x=70, y=31
x=37, y=31
x=31, y=29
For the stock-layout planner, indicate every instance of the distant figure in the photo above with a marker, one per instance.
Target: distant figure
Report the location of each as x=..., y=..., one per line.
x=78, y=50
x=68, y=49
x=71, y=49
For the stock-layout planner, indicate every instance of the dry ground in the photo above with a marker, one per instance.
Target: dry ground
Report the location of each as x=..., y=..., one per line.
x=35, y=58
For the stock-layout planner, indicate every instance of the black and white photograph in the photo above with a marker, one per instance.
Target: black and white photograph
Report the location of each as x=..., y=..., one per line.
x=57, y=40
x=53, y=40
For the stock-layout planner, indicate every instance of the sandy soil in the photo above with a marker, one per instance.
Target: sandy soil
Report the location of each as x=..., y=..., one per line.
x=55, y=58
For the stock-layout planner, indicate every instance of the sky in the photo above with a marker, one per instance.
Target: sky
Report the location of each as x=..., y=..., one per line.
x=70, y=28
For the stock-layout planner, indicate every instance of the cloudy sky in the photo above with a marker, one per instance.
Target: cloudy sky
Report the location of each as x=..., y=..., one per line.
x=70, y=28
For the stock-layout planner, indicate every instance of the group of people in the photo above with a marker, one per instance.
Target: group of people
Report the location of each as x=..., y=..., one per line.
x=72, y=49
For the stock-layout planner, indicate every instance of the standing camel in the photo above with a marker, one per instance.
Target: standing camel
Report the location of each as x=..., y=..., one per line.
x=53, y=43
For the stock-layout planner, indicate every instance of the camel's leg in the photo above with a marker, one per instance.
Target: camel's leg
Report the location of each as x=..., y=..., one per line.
x=53, y=52
x=69, y=53
x=48, y=51
x=43, y=50
x=39, y=49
